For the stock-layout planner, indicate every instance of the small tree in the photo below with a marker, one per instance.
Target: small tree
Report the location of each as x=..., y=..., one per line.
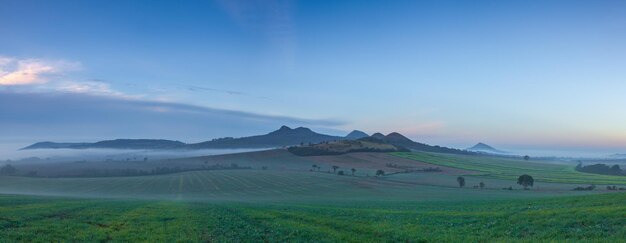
x=353, y=170
x=482, y=185
x=526, y=157
x=525, y=181
x=461, y=181
x=380, y=173
x=8, y=170
x=314, y=166
x=335, y=168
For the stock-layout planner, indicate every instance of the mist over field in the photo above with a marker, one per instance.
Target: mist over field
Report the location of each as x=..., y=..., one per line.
x=12, y=151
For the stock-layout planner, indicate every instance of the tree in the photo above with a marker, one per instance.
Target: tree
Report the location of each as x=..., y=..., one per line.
x=335, y=168
x=461, y=181
x=8, y=170
x=353, y=170
x=526, y=157
x=482, y=185
x=380, y=173
x=616, y=170
x=525, y=181
x=314, y=166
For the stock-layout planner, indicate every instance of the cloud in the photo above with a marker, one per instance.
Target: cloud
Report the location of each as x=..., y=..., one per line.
x=38, y=75
x=31, y=71
x=89, y=87
x=194, y=88
x=63, y=116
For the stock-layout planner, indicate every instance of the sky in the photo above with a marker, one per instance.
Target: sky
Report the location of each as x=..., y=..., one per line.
x=513, y=74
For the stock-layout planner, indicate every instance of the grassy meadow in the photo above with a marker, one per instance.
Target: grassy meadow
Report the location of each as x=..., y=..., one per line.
x=246, y=185
x=597, y=218
x=510, y=169
x=291, y=201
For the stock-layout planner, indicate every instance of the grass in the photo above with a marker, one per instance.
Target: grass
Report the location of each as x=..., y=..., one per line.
x=510, y=169
x=600, y=218
x=246, y=185
x=294, y=205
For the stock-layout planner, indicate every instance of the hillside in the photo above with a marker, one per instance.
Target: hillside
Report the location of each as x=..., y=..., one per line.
x=400, y=140
x=284, y=136
x=346, y=146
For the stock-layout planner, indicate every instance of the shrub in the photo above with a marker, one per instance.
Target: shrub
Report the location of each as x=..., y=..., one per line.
x=8, y=170
x=588, y=188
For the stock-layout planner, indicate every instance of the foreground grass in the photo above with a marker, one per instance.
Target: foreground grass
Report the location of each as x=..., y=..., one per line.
x=510, y=169
x=581, y=218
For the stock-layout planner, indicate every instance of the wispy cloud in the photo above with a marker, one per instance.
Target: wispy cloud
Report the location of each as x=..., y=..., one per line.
x=194, y=88
x=71, y=115
x=88, y=87
x=31, y=71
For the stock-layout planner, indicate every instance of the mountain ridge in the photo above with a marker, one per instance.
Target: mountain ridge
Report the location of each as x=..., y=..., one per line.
x=283, y=137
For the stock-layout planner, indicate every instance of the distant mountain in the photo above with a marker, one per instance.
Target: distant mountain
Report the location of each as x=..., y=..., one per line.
x=401, y=141
x=481, y=147
x=53, y=145
x=114, y=144
x=356, y=134
x=378, y=135
x=617, y=155
x=284, y=136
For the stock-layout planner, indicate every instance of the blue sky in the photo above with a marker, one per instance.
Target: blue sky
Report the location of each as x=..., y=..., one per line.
x=526, y=74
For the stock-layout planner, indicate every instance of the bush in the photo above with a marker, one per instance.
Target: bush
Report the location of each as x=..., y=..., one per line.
x=8, y=170
x=588, y=188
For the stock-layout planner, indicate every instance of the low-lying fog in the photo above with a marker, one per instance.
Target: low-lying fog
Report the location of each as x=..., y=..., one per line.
x=11, y=151
x=565, y=153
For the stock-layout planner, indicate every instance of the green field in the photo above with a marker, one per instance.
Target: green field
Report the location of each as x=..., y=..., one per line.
x=245, y=185
x=582, y=218
x=291, y=202
x=510, y=169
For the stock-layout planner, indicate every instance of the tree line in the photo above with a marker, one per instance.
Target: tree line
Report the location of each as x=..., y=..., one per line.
x=601, y=169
